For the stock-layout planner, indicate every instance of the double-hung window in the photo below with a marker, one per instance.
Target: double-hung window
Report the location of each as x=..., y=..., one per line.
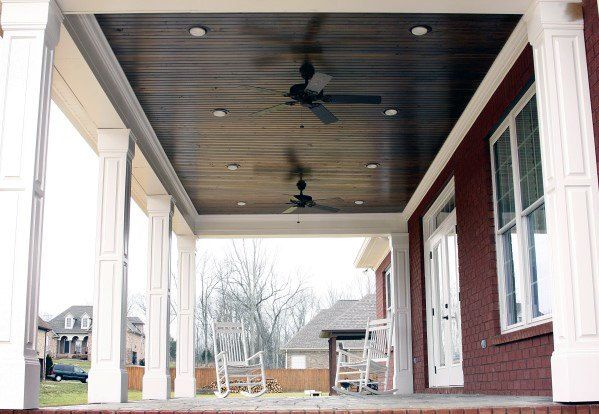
x=521, y=232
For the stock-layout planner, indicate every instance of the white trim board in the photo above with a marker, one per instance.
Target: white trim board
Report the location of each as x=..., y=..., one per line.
x=294, y=6
x=311, y=225
x=499, y=69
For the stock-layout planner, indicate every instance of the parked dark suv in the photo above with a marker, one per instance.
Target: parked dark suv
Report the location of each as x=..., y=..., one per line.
x=61, y=372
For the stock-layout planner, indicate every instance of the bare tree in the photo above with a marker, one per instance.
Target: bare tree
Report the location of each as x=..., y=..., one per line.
x=136, y=305
x=207, y=277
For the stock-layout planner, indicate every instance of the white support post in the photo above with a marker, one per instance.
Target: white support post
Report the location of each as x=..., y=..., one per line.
x=157, y=379
x=555, y=30
x=185, y=381
x=403, y=379
x=31, y=31
x=107, y=376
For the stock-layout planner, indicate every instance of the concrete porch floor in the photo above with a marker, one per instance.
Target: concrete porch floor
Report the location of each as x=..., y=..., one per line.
x=413, y=404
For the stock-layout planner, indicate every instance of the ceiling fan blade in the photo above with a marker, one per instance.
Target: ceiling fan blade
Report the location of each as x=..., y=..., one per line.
x=323, y=114
x=261, y=89
x=272, y=109
x=326, y=208
x=352, y=99
x=318, y=82
x=290, y=210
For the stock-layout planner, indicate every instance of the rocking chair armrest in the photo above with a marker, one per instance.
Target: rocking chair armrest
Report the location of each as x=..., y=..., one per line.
x=256, y=355
x=221, y=354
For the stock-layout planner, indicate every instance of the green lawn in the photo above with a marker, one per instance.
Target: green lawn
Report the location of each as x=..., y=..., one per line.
x=54, y=393
x=78, y=362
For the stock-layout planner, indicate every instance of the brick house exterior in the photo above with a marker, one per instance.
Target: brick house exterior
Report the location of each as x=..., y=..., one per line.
x=515, y=363
x=74, y=339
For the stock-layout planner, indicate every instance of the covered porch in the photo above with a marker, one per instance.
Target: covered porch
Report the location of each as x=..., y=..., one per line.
x=180, y=129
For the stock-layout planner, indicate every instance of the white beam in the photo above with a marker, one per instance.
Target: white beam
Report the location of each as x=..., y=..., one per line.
x=107, y=376
x=31, y=31
x=157, y=380
x=185, y=381
x=294, y=6
x=555, y=30
x=310, y=225
x=403, y=377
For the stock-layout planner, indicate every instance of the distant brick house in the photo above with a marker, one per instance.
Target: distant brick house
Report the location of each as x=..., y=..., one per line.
x=306, y=349
x=73, y=328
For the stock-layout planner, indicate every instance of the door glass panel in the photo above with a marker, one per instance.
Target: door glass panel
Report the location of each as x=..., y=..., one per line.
x=454, y=296
x=438, y=288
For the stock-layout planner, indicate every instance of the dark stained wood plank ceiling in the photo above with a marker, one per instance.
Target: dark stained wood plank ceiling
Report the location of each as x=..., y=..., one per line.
x=180, y=79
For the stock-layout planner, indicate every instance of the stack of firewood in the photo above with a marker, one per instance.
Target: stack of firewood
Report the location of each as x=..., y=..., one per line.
x=272, y=386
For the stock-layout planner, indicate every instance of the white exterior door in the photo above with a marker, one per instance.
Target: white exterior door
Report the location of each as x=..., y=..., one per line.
x=443, y=306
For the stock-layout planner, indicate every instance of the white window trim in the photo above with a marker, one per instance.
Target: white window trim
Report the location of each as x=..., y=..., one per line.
x=436, y=207
x=527, y=319
x=87, y=319
x=388, y=274
x=66, y=319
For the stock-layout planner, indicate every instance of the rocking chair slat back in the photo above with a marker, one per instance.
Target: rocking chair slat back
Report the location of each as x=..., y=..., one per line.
x=230, y=338
x=378, y=339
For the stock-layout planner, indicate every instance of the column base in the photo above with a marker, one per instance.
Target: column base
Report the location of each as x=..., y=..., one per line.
x=20, y=389
x=107, y=386
x=185, y=387
x=574, y=376
x=156, y=388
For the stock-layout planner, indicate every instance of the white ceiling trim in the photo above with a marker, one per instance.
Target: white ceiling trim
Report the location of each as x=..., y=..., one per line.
x=294, y=6
x=499, y=69
x=310, y=225
x=92, y=43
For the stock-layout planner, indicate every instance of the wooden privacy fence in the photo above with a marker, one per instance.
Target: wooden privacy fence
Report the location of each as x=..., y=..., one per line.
x=290, y=380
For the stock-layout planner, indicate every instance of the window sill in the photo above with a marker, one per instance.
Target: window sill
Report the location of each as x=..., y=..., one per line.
x=526, y=333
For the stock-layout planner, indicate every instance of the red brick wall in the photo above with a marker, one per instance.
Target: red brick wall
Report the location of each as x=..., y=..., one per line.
x=591, y=38
x=509, y=364
x=380, y=288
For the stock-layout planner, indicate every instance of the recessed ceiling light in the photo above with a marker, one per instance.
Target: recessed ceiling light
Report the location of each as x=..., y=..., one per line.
x=233, y=167
x=390, y=112
x=220, y=112
x=372, y=165
x=420, y=30
x=241, y=203
x=359, y=202
x=198, y=31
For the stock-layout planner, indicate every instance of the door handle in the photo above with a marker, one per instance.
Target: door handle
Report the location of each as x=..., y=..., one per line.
x=446, y=318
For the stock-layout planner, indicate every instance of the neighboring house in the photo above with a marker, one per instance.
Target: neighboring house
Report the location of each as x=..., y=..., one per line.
x=45, y=337
x=73, y=328
x=308, y=350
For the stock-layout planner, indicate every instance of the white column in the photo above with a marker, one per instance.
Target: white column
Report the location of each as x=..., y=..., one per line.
x=31, y=31
x=403, y=378
x=107, y=376
x=157, y=379
x=555, y=30
x=185, y=381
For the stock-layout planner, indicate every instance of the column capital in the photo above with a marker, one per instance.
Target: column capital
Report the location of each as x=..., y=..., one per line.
x=399, y=240
x=552, y=14
x=33, y=15
x=161, y=204
x=117, y=140
x=186, y=243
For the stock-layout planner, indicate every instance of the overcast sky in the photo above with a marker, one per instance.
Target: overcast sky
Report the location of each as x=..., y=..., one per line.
x=70, y=230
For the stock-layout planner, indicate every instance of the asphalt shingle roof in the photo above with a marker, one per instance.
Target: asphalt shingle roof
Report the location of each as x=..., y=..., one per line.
x=344, y=314
x=57, y=323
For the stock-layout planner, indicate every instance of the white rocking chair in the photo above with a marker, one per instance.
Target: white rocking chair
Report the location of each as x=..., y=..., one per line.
x=368, y=373
x=232, y=363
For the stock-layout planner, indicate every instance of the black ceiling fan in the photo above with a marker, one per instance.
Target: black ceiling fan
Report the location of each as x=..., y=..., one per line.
x=302, y=200
x=310, y=94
